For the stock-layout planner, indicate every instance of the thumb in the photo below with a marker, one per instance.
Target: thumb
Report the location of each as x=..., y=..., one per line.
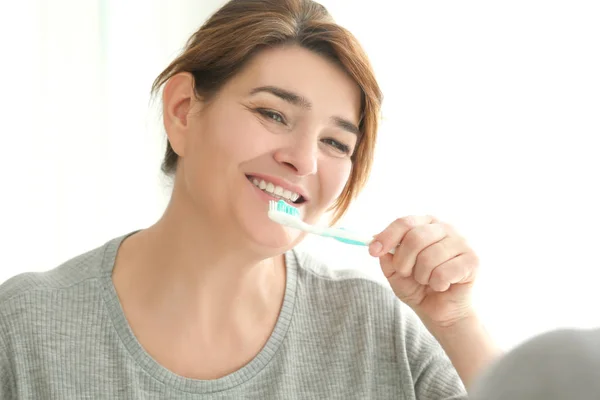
x=386, y=261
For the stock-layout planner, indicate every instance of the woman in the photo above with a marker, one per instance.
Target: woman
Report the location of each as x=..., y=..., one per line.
x=270, y=99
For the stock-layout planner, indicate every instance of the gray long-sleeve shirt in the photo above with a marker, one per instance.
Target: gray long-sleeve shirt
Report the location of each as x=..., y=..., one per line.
x=339, y=335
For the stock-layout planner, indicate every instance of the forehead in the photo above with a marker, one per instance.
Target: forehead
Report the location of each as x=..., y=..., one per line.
x=313, y=76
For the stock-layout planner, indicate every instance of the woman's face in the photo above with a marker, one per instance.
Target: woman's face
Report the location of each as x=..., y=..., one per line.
x=289, y=118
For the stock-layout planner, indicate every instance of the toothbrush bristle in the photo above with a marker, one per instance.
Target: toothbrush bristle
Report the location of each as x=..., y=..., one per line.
x=282, y=206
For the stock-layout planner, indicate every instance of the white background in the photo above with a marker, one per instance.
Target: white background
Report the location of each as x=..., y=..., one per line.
x=491, y=123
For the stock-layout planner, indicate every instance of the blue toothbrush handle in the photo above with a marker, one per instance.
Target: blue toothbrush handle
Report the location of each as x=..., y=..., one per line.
x=350, y=241
x=357, y=242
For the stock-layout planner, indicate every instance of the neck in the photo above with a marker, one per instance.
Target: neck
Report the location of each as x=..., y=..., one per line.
x=185, y=268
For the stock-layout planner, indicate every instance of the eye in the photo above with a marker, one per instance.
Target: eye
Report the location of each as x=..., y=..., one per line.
x=272, y=115
x=338, y=146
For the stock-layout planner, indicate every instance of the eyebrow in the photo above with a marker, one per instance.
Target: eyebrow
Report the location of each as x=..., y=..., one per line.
x=300, y=101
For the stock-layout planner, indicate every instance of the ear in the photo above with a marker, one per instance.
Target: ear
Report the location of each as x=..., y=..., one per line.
x=178, y=100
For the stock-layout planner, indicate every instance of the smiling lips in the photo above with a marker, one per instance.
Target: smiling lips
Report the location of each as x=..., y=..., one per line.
x=275, y=190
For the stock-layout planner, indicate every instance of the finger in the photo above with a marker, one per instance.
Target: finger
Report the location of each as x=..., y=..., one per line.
x=436, y=254
x=389, y=238
x=461, y=269
x=415, y=240
x=387, y=265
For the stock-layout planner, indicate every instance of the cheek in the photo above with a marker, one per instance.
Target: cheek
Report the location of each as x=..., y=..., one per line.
x=238, y=138
x=334, y=177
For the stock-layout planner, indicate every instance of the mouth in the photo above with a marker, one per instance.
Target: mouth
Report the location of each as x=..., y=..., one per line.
x=276, y=191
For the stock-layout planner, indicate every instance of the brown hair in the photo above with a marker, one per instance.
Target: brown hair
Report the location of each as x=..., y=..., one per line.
x=241, y=28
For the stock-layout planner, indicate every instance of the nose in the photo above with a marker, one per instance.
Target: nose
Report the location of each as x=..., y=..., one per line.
x=299, y=154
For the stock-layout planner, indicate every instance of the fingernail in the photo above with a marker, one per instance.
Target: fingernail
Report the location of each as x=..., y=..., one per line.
x=375, y=248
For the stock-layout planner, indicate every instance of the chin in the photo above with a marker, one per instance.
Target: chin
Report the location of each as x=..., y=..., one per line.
x=269, y=235
x=279, y=237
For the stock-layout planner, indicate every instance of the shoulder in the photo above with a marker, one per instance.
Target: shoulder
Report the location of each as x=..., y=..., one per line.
x=81, y=268
x=348, y=291
x=356, y=293
x=368, y=309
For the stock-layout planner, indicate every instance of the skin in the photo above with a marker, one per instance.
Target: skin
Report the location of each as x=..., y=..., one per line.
x=433, y=271
x=203, y=286
x=209, y=275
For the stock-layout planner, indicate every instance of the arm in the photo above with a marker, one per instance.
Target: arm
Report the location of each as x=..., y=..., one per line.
x=433, y=270
x=433, y=375
x=469, y=347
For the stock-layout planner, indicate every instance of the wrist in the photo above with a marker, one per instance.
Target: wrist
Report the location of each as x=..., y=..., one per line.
x=466, y=322
x=462, y=320
x=468, y=345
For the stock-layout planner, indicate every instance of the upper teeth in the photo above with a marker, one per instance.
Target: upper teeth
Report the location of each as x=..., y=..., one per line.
x=278, y=191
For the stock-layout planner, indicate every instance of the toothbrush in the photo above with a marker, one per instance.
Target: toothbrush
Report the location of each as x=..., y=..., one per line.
x=284, y=214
